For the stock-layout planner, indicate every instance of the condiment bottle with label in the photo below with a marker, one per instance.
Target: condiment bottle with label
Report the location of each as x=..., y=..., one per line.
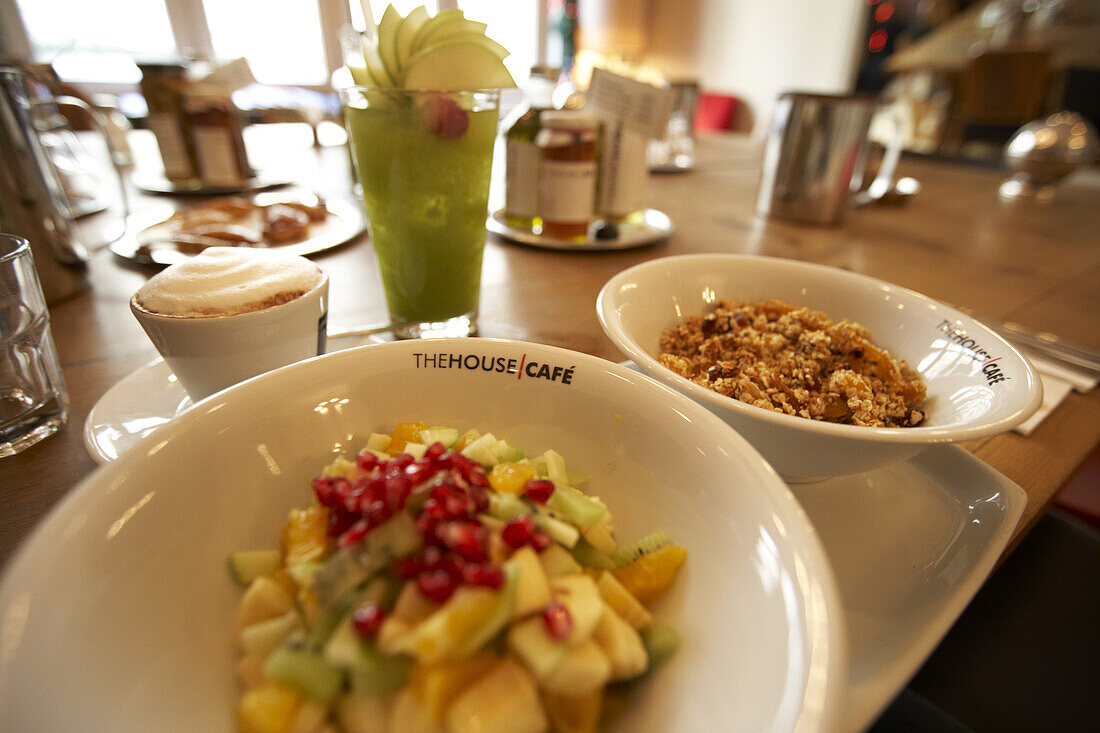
x=218, y=140
x=521, y=157
x=164, y=87
x=569, y=158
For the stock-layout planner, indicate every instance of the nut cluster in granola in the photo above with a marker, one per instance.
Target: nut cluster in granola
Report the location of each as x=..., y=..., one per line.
x=797, y=361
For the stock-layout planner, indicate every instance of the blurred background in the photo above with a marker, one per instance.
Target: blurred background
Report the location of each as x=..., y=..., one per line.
x=964, y=74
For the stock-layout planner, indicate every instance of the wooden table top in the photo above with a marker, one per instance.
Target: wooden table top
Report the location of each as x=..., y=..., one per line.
x=956, y=241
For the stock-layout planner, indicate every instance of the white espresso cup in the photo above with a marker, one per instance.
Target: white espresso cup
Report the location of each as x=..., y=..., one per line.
x=229, y=314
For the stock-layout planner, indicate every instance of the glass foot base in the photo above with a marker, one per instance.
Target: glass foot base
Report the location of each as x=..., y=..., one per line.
x=457, y=327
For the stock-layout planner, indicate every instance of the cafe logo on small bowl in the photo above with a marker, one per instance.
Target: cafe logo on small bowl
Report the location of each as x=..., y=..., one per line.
x=521, y=367
x=990, y=368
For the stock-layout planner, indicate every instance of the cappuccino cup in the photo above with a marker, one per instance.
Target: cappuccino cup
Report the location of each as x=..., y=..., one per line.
x=229, y=314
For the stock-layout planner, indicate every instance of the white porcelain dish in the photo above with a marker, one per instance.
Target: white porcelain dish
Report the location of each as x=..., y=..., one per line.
x=121, y=598
x=978, y=385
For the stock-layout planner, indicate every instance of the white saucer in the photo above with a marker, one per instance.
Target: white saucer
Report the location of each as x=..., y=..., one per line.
x=910, y=545
x=149, y=397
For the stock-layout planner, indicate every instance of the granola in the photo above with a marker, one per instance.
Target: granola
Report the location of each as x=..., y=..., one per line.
x=796, y=361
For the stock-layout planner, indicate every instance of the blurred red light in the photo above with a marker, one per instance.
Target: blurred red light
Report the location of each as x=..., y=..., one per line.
x=884, y=12
x=555, y=6
x=873, y=2
x=571, y=12
x=877, y=41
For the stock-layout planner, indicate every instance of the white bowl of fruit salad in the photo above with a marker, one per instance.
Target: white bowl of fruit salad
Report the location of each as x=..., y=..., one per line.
x=439, y=535
x=826, y=372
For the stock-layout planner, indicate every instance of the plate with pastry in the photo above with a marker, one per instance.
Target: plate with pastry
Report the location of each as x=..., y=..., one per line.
x=297, y=222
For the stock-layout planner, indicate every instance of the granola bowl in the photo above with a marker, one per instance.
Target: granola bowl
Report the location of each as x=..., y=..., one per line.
x=976, y=384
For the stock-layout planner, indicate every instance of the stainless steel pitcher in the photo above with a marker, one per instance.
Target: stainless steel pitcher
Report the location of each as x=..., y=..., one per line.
x=815, y=157
x=34, y=205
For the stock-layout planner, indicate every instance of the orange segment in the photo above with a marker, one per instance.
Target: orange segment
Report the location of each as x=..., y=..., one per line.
x=305, y=535
x=405, y=432
x=653, y=572
x=509, y=478
x=270, y=708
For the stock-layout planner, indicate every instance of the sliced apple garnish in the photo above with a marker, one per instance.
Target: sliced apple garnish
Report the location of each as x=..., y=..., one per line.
x=408, y=29
x=447, y=52
x=457, y=66
x=387, y=40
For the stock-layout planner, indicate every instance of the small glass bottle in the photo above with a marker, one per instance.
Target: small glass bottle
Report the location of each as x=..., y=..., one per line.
x=164, y=87
x=521, y=157
x=569, y=158
x=219, y=141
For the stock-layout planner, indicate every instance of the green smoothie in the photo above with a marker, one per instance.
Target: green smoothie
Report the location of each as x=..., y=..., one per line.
x=424, y=167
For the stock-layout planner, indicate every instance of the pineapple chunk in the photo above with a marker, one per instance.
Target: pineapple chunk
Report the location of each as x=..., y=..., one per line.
x=622, y=645
x=270, y=708
x=305, y=536
x=622, y=602
x=579, y=594
x=556, y=561
x=532, y=588
x=310, y=718
x=364, y=713
x=264, y=599
x=510, y=478
x=448, y=630
x=260, y=638
x=505, y=700
x=250, y=672
x=410, y=715
x=584, y=669
x=574, y=714
x=652, y=573
x=405, y=432
x=529, y=641
x=599, y=536
x=465, y=439
x=437, y=685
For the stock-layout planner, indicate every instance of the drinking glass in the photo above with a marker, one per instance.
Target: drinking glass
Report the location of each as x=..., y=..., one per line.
x=423, y=159
x=34, y=403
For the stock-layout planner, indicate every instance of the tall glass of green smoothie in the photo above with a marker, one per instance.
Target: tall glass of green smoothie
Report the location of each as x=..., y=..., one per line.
x=423, y=159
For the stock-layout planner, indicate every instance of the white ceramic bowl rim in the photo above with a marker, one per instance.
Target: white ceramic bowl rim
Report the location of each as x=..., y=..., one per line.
x=951, y=433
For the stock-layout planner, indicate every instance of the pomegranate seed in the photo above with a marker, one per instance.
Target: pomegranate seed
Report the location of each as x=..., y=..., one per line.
x=455, y=566
x=368, y=618
x=339, y=521
x=325, y=490
x=418, y=473
x=479, y=479
x=540, y=541
x=481, y=500
x=366, y=461
x=431, y=559
x=406, y=568
x=517, y=532
x=398, y=463
x=436, y=584
x=355, y=533
x=433, y=509
x=539, y=489
x=486, y=575
x=558, y=620
x=435, y=451
x=394, y=493
x=468, y=539
x=366, y=491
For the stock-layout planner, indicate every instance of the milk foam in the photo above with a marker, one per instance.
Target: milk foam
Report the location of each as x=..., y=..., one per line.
x=228, y=280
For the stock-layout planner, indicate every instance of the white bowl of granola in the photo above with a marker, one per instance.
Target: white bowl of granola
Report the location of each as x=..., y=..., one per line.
x=820, y=368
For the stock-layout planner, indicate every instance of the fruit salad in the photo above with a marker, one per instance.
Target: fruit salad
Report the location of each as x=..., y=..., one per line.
x=445, y=582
